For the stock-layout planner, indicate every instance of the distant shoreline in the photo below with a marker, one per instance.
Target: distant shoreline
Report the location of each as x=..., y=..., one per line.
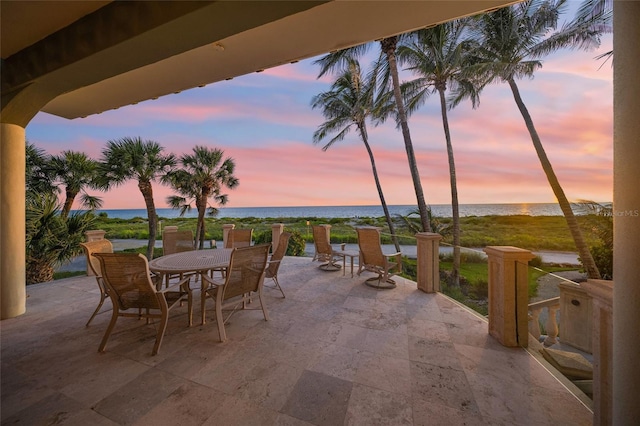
x=330, y=212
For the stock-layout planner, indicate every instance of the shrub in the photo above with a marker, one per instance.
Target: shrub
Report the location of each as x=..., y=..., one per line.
x=296, y=242
x=479, y=289
x=536, y=262
x=603, y=256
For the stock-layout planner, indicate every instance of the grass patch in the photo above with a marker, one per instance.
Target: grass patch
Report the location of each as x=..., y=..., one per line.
x=67, y=274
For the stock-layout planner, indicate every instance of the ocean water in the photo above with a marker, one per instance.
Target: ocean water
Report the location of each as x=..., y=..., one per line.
x=440, y=210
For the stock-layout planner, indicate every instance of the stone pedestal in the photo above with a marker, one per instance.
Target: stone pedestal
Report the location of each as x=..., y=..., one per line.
x=601, y=293
x=428, y=261
x=576, y=317
x=508, y=294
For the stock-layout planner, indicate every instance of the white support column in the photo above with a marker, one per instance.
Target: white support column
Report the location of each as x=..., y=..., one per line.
x=626, y=204
x=13, y=292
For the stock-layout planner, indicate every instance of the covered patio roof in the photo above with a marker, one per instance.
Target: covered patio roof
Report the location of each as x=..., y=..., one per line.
x=96, y=56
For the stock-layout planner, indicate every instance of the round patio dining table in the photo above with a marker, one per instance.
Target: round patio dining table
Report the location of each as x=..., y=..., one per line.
x=194, y=261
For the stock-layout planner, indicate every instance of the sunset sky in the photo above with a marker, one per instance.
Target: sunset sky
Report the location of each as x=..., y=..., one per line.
x=265, y=123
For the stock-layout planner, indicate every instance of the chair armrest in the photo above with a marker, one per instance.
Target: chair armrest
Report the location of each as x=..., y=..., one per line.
x=393, y=254
x=210, y=280
x=273, y=261
x=176, y=286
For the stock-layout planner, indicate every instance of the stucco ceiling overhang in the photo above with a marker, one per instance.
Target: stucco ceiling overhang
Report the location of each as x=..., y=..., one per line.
x=98, y=56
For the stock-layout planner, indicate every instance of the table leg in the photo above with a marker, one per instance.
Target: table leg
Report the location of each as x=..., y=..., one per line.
x=203, y=297
x=344, y=264
x=352, y=266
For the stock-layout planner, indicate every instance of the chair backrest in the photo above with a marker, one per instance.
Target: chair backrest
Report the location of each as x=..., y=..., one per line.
x=246, y=270
x=128, y=280
x=238, y=238
x=97, y=246
x=278, y=254
x=177, y=241
x=321, y=240
x=370, y=247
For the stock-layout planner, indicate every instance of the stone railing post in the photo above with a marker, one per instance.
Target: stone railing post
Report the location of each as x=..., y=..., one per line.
x=576, y=316
x=276, y=231
x=508, y=294
x=601, y=293
x=225, y=233
x=428, y=261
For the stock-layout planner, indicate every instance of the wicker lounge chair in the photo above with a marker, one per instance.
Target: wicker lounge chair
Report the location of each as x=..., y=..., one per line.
x=372, y=259
x=276, y=259
x=98, y=246
x=324, y=251
x=245, y=276
x=129, y=284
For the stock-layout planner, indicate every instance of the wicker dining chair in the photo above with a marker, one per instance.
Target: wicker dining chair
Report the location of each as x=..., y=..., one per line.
x=276, y=259
x=177, y=242
x=174, y=241
x=324, y=252
x=98, y=246
x=130, y=286
x=372, y=258
x=238, y=238
x=244, y=278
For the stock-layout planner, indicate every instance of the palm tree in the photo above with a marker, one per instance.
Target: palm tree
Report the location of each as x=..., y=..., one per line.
x=438, y=56
x=203, y=175
x=51, y=239
x=76, y=171
x=347, y=104
x=388, y=67
x=511, y=44
x=144, y=161
x=39, y=172
x=600, y=12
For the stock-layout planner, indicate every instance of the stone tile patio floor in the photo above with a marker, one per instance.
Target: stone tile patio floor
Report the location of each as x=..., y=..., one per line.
x=335, y=352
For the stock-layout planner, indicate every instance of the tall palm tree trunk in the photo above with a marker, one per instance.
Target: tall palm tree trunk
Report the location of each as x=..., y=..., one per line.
x=68, y=203
x=147, y=193
x=365, y=139
x=455, y=273
x=572, y=222
x=200, y=231
x=388, y=46
x=38, y=270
